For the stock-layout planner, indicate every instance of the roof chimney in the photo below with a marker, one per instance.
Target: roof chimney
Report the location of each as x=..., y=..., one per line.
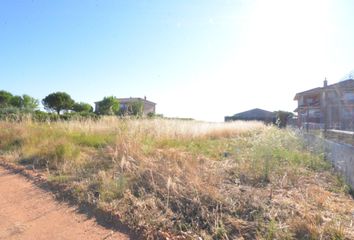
x=325, y=83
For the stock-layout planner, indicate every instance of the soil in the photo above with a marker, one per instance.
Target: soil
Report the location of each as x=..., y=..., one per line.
x=30, y=212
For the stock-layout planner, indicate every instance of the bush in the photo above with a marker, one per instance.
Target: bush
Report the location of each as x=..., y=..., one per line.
x=40, y=116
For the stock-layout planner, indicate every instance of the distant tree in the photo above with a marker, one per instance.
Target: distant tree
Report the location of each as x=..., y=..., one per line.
x=23, y=102
x=58, y=101
x=154, y=115
x=82, y=107
x=282, y=118
x=16, y=101
x=108, y=106
x=151, y=115
x=5, y=98
x=136, y=108
x=29, y=102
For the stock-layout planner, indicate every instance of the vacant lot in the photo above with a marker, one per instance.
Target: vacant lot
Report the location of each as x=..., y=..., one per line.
x=185, y=179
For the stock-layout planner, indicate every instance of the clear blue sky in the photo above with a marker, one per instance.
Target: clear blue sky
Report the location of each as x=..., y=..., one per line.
x=196, y=58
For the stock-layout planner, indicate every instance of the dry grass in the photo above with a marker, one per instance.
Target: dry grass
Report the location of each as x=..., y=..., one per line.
x=187, y=179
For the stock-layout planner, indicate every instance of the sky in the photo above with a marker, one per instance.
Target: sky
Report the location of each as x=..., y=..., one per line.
x=203, y=59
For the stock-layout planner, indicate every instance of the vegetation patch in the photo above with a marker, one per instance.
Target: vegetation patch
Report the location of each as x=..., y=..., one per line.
x=188, y=180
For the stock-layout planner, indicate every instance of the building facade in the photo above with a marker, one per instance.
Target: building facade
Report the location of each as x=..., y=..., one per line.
x=329, y=107
x=126, y=103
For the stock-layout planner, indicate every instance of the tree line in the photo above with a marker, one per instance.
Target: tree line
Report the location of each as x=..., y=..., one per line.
x=60, y=105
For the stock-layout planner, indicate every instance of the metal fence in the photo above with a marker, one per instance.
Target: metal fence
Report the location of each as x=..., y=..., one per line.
x=341, y=155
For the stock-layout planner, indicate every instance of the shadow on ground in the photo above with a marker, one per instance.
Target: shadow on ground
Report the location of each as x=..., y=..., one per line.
x=104, y=218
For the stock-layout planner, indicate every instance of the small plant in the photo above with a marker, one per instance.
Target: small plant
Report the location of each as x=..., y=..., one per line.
x=111, y=189
x=334, y=231
x=59, y=178
x=92, y=140
x=305, y=228
x=271, y=230
x=220, y=233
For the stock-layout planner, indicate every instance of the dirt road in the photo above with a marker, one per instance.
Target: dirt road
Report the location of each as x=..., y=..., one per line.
x=29, y=212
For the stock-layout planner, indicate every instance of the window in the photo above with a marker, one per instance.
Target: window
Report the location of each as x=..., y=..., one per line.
x=301, y=101
x=314, y=113
x=331, y=95
x=348, y=113
x=309, y=100
x=349, y=96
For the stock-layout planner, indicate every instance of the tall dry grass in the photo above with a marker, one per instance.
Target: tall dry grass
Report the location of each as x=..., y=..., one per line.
x=187, y=179
x=160, y=128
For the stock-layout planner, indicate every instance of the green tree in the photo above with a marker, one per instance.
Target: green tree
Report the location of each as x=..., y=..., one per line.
x=282, y=118
x=29, y=102
x=82, y=107
x=108, y=106
x=5, y=98
x=16, y=101
x=24, y=102
x=136, y=108
x=58, y=101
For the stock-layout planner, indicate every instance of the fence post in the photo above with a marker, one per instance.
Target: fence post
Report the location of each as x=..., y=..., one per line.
x=307, y=119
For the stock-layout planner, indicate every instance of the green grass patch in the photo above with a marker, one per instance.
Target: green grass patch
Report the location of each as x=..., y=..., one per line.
x=211, y=147
x=60, y=178
x=94, y=140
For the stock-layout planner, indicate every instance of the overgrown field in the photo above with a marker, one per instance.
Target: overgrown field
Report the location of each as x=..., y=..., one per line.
x=187, y=179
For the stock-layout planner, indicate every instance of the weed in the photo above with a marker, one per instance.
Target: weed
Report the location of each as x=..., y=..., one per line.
x=92, y=140
x=112, y=189
x=220, y=233
x=305, y=230
x=271, y=230
x=59, y=178
x=333, y=231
